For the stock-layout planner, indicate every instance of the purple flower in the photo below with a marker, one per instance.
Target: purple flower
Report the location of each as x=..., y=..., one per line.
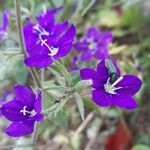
x=23, y=111
x=4, y=25
x=94, y=44
x=111, y=88
x=74, y=64
x=46, y=40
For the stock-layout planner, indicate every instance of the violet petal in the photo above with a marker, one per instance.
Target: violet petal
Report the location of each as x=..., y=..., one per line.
x=86, y=56
x=130, y=84
x=11, y=110
x=88, y=73
x=101, y=98
x=38, y=61
x=21, y=128
x=124, y=101
x=24, y=95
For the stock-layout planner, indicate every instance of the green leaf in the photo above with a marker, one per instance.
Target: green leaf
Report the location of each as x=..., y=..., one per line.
x=82, y=85
x=79, y=104
x=61, y=105
x=48, y=100
x=140, y=147
x=129, y=4
x=21, y=73
x=112, y=20
x=89, y=104
x=65, y=73
x=49, y=84
x=8, y=64
x=59, y=119
x=55, y=73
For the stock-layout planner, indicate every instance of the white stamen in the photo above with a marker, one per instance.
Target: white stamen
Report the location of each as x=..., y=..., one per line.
x=43, y=42
x=42, y=31
x=110, y=88
x=25, y=112
x=117, y=81
x=118, y=88
x=53, y=50
x=92, y=45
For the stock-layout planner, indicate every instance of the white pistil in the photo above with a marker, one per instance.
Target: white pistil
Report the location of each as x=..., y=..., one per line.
x=91, y=43
x=42, y=31
x=110, y=88
x=117, y=81
x=53, y=50
x=43, y=42
x=25, y=112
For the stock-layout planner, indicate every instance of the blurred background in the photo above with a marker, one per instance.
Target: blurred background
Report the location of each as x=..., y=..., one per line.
x=102, y=129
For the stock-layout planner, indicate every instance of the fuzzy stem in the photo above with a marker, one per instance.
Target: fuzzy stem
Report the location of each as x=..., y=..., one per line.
x=17, y=4
x=21, y=39
x=88, y=7
x=85, y=123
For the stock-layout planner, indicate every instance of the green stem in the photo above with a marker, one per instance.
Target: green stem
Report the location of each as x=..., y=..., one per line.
x=17, y=4
x=21, y=39
x=78, y=8
x=19, y=26
x=88, y=7
x=65, y=73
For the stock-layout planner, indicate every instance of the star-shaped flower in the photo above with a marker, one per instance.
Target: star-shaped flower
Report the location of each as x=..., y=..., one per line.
x=94, y=44
x=111, y=88
x=24, y=110
x=46, y=40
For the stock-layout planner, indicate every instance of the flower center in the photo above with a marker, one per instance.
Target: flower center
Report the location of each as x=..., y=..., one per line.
x=53, y=50
x=91, y=43
x=110, y=88
x=27, y=112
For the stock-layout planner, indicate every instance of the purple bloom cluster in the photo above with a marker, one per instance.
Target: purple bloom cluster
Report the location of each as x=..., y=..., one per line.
x=94, y=44
x=4, y=25
x=111, y=88
x=46, y=40
x=23, y=111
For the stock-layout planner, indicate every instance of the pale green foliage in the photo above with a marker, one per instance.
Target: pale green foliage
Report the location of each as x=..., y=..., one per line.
x=79, y=104
x=8, y=61
x=140, y=147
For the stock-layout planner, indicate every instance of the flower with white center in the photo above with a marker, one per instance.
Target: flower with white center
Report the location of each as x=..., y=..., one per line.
x=94, y=44
x=24, y=110
x=27, y=112
x=47, y=41
x=112, y=90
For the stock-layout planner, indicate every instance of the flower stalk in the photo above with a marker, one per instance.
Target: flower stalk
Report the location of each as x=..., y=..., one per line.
x=34, y=74
x=17, y=4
